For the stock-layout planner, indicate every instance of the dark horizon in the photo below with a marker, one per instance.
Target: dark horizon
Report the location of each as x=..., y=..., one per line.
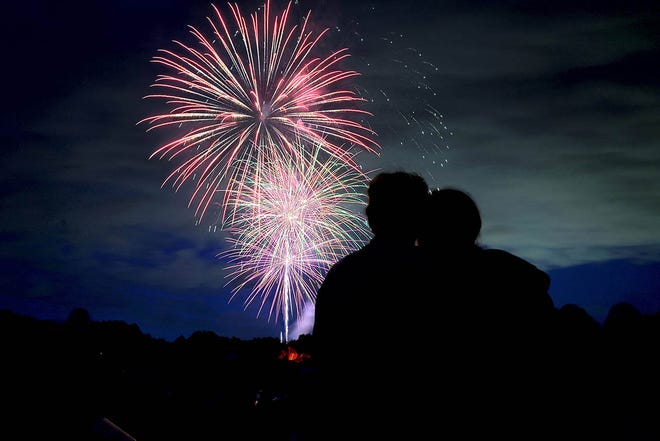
x=592, y=274
x=87, y=380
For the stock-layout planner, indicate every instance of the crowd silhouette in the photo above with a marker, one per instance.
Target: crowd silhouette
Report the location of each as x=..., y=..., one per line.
x=423, y=332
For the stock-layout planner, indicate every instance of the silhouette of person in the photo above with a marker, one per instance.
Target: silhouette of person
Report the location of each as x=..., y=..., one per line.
x=493, y=321
x=364, y=318
x=498, y=289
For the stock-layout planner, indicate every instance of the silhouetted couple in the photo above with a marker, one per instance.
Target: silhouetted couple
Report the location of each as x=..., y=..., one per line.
x=412, y=341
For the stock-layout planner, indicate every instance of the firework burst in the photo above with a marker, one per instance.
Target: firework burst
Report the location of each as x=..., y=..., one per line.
x=244, y=94
x=298, y=218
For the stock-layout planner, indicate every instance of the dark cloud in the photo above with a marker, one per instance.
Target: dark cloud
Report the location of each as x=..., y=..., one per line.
x=639, y=69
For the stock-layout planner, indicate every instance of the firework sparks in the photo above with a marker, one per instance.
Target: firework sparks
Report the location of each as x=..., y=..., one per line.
x=407, y=101
x=297, y=219
x=244, y=94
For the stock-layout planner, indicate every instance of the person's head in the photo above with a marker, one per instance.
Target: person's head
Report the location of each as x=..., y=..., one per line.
x=452, y=220
x=395, y=204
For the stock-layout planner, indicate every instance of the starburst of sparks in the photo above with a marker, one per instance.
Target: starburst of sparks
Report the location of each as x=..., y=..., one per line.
x=299, y=217
x=244, y=93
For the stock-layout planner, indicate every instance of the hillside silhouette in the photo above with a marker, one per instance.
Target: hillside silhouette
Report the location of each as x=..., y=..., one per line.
x=86, y=380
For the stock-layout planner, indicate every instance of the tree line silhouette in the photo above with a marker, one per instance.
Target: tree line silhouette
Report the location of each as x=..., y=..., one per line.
x=86, y=380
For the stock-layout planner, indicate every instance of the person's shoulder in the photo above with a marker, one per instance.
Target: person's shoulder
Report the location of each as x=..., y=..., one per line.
x=348, y=261
x=505, y=261
x=496, y=255
x=354, y=256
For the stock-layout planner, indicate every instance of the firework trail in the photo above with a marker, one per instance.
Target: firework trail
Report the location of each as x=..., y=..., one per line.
x=244, y=93
x=402, y=89
x=298, y=218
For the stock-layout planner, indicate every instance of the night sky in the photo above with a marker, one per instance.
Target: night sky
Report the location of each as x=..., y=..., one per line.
x=547, y=113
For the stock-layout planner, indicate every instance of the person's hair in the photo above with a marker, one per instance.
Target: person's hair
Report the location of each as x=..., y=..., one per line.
x=452, y=219
x=395, y=204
